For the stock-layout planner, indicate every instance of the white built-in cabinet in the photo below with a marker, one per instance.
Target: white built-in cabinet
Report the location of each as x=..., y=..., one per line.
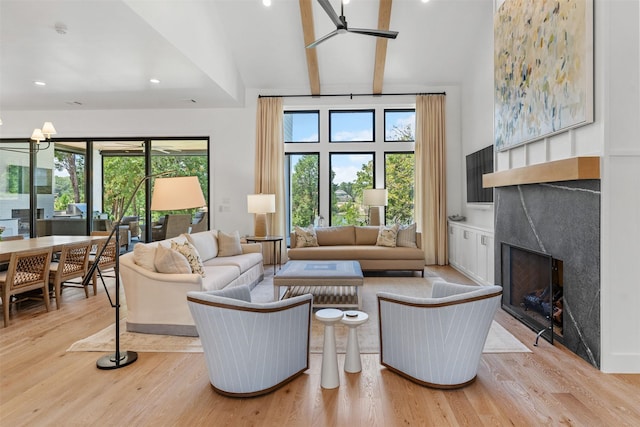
x=471, y=251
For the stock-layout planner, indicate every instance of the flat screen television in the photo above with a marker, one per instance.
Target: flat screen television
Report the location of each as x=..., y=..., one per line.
x=478, y=164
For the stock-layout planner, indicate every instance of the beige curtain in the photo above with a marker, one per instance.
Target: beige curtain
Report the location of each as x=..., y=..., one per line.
x=430, y=185
x=269, y=166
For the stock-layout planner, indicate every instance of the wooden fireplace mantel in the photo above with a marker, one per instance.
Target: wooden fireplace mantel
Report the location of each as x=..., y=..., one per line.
x=559, y=170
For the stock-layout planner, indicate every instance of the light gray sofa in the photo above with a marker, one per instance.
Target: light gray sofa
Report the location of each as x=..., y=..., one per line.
x=358, y=243
x=157, y=302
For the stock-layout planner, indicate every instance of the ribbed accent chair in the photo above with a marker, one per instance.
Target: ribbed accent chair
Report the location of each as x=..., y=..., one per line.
x=251, y=348
x=438, y=341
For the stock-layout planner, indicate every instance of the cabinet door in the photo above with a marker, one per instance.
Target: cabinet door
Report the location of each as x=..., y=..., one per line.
x=468, y=256
x=491, y=251
x=485, y=258
x=454, y=245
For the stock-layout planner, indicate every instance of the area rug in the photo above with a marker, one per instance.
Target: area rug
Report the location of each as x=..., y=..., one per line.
x=498, y=341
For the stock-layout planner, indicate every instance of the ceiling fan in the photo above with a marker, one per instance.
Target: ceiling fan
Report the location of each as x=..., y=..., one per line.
x=341, y=26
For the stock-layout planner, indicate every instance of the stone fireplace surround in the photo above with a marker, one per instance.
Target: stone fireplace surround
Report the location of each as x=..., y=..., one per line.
x=562, y=219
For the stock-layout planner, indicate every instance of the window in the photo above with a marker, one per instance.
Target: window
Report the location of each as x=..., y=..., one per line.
x=399, y=125
x=301, y=126
x=351, y=126
x=302, y=186
x=325, y=181
x=399, y=172
x=350, y=174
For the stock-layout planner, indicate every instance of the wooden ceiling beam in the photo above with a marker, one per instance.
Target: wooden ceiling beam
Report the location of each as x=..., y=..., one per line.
x=306, y=16
x=384, y=19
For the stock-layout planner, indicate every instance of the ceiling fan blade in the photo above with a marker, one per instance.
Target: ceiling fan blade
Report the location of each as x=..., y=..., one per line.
x=332, y=13
x=323, y=38
x=378, y=33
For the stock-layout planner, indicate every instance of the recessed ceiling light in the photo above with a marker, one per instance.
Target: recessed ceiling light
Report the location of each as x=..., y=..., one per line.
x=61, y=28
x=39, y=83
x=154, y=81
x=266, y=2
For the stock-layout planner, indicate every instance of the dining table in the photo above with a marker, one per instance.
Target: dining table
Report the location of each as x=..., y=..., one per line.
x=55, y=242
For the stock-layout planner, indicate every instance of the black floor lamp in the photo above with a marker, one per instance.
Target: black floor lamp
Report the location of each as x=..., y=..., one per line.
x=176, y=193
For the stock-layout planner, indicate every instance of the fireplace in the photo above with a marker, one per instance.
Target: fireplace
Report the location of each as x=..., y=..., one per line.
x=557, y=221
x=532, y=289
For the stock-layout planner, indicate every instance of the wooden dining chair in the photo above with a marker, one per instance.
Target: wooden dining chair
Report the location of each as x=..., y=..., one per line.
x=107, y=260
x=72, y=264
x=28, y=271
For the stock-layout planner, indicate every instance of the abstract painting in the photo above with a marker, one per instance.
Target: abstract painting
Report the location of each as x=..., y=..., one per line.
x=543, y=58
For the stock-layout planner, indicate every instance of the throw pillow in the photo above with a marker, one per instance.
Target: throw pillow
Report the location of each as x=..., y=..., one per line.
x=229, y=244
x=191, y=254
x=169, y=261
x=387, y=236
x=407, y=236
x=144, y=255
x=306, y=237
x=206, y=244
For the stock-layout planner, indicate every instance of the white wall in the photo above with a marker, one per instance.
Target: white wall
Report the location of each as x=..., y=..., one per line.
x=231, y=133
x=477, y=121
x=619, y=63
x=614, y=136
x=232, y=140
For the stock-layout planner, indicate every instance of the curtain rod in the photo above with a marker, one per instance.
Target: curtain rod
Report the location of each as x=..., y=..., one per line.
x=351, y=95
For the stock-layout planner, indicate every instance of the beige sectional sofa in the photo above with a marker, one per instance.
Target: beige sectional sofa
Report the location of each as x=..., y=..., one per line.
x=157, y=302
x=358, y=243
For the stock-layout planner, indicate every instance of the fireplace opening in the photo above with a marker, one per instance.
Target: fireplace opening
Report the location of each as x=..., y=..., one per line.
x=532, y=289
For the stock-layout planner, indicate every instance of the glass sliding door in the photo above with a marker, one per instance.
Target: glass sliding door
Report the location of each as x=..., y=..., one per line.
x=123, y=167
x=15, y=191
x=65, y=210
x=181, y=157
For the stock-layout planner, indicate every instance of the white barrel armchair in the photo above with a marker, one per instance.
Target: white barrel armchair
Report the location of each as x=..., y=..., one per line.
x=251, y=348
x=437, y=341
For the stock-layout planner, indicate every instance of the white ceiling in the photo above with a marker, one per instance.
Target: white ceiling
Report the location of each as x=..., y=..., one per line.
x=211, y=51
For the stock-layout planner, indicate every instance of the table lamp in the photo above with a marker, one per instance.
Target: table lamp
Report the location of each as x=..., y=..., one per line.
x=261, y=205
x=375, y=198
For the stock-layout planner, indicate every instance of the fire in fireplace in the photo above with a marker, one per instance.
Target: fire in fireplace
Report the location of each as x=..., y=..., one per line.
x=532, y=289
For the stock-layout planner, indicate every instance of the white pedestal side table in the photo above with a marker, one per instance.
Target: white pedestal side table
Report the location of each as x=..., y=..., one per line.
x=353, y=319
x=329, y=373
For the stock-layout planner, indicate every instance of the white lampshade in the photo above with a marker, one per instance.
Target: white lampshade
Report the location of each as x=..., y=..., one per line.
x=375, y=197
x=48, y=129
x=37, y=135
x=261, y=203
x=180, y=192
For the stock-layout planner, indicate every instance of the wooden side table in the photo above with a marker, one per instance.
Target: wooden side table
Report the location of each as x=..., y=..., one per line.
x=276, y=240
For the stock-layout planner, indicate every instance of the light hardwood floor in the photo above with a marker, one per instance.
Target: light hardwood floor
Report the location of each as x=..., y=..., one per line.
x=41, y=384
